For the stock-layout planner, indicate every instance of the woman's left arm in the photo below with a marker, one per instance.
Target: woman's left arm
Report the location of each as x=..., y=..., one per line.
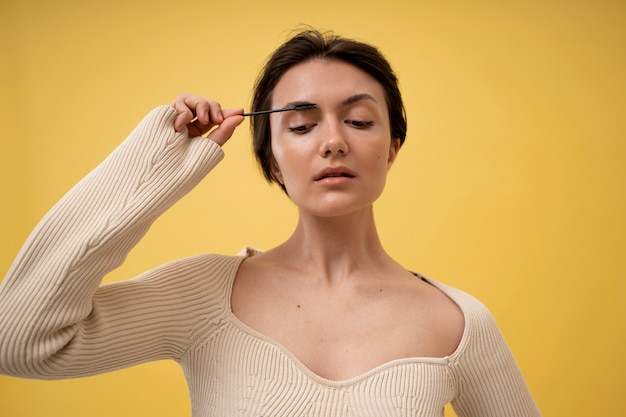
x=489, y=381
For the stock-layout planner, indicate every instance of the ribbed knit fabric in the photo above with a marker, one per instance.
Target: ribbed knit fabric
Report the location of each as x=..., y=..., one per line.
x=57, y=321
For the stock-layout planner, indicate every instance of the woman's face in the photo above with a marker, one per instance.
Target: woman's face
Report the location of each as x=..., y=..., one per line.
x=333, y=160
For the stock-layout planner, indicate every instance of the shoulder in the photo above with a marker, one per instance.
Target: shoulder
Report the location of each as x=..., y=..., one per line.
x=478, y=317
x=205, y=274
x=481, y=336
x=213, y=263
x=444, y=314
x=469, y=304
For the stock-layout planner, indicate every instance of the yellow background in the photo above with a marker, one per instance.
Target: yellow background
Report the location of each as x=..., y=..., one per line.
x=511, y=184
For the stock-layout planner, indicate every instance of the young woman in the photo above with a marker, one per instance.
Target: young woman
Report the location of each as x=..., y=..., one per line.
x=325, y=324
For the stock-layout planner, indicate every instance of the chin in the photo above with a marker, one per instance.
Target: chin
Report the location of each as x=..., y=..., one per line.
x=334, y=203
x=336, y=207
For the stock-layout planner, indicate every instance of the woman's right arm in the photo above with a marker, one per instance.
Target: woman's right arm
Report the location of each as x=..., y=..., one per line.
x=48, y=311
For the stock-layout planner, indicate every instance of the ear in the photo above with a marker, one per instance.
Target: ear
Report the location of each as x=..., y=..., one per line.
x=276, y=171
x=394, y=148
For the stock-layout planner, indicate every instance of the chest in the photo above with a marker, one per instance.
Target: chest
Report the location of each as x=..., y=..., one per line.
x=240, y=372
x=342, y=334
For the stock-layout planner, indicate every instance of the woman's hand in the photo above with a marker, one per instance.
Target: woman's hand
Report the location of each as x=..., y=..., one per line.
x=201, y=114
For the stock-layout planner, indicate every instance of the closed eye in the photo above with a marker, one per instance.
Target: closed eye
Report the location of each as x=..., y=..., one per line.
x=360, y=124
x=300, y=129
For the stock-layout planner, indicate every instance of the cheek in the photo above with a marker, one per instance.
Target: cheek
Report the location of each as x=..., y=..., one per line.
x=289, y=160
x=382, y=157
x=291, y=151
x=280, y=154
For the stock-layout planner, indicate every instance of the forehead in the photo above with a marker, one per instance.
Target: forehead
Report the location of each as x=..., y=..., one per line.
x=325, y=81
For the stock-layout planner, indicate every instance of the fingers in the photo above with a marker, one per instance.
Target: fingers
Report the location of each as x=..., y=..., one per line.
x=225, y=130
x=206, y=111
x=201, y=114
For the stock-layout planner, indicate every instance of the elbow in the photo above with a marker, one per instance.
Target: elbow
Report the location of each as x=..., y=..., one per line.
x=26, y=356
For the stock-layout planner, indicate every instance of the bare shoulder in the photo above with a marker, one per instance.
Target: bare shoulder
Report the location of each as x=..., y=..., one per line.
x=254, y=285
x=434, y=316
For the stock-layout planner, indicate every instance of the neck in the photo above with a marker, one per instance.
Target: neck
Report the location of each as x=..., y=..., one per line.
x=337, y=247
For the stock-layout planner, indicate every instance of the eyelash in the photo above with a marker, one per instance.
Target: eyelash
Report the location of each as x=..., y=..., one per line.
x=299, y=129
x=359, y=124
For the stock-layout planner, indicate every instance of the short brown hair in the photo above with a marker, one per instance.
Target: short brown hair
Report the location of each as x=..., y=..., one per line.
x=307, y=45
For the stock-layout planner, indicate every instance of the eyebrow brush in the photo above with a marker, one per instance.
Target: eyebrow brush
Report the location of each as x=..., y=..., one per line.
x=296, y=107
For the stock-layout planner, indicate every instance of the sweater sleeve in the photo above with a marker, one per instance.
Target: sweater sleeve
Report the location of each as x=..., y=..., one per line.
x=490, y=384
x=56, y=321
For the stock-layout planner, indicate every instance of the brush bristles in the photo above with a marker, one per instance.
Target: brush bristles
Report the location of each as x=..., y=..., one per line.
x=297, y=107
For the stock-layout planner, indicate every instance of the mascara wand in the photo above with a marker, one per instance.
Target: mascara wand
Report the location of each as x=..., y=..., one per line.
x=297, y=107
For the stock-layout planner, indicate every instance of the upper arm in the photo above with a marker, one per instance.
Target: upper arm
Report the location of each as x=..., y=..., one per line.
x=151, y=317
x=490, y=384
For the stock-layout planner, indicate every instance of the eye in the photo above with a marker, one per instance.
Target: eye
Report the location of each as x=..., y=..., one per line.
x=359, y=124
x=301, y=128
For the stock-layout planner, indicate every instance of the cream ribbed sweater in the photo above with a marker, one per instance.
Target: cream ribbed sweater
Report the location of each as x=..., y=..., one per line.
x=56, y=321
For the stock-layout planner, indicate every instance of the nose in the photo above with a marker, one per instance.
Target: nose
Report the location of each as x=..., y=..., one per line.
x=333, y=141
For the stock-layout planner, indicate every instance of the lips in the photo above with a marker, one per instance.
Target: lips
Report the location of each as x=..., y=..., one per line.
x=332, y=172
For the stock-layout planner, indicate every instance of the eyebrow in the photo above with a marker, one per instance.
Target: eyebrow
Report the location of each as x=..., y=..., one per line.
x=358, y=97
x=346, y=102
x=299, y=103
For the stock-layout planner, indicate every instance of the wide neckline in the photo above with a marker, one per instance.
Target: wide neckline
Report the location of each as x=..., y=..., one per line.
x=297, y=363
